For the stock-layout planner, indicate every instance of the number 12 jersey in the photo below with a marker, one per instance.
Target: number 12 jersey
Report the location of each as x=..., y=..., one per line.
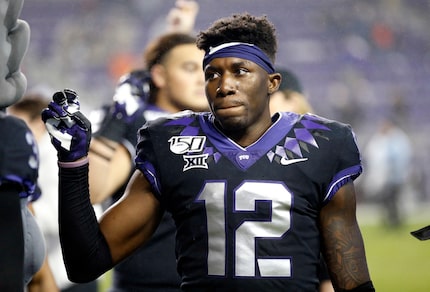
x=247, y=217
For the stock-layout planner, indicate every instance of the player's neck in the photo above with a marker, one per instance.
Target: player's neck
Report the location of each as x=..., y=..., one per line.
x=248, y=135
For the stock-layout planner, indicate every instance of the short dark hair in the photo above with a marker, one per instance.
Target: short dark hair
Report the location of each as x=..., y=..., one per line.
x=246, y=28
x=161, y=46
x=289, y=81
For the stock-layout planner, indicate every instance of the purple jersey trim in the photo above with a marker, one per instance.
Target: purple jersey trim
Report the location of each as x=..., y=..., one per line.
x=341, y=179
x=258, y=149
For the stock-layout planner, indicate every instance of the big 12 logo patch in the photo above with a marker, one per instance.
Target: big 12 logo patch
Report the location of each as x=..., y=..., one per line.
x=187, y=145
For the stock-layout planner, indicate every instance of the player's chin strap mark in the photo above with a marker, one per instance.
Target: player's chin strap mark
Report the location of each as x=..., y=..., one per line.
x=240, y=50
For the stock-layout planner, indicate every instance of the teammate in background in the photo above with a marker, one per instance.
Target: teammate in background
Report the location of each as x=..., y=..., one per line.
x=290, y=98
x=172, y=81
x=28, y=108
x=176, y=83
x=255, y=198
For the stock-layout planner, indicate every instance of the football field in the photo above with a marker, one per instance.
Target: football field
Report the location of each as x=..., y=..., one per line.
x=397, y=260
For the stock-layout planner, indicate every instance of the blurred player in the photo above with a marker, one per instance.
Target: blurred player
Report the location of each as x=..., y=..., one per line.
x=290, y=95
x=172, y=81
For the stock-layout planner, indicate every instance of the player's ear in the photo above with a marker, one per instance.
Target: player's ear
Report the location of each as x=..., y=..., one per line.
x=274, y=82
x=158, y=75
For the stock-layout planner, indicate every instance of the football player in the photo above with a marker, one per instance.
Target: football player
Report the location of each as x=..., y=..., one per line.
x=255, y=198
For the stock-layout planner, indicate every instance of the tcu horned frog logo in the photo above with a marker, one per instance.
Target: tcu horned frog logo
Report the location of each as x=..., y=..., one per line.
x=187, y=145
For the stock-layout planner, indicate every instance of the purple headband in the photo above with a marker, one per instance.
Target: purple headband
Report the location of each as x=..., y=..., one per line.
x=240, y=50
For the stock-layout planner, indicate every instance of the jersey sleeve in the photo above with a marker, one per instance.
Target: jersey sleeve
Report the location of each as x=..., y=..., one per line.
x=130, y=138
x=146, y=158
x=348, y=166
x=19, y=156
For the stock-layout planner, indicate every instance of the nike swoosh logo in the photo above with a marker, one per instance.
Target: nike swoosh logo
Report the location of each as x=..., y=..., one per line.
x=285, y=161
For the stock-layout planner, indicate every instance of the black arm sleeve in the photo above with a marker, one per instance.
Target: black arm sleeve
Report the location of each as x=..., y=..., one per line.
x=85, y=251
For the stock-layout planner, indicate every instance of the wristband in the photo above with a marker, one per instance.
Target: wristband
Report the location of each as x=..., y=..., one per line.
x=365, y=287
x=73, y=164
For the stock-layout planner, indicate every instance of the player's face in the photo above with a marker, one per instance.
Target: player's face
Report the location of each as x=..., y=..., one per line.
x=237, y=91
x=184, y=78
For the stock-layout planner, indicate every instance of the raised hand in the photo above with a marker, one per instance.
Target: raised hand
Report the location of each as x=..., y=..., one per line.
x=182, y=17
x=130, y=100
x=69, y=129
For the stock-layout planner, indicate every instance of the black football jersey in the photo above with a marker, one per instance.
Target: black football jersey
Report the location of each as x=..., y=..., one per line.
x=246, y=217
